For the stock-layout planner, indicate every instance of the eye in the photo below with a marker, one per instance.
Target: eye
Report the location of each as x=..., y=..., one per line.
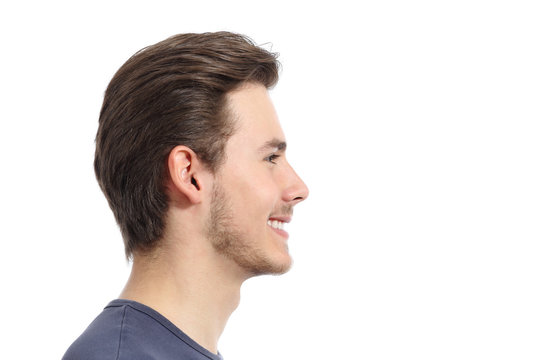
x=271, y=158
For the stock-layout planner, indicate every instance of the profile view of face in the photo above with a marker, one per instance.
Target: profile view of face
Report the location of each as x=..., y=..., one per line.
x=256, y=188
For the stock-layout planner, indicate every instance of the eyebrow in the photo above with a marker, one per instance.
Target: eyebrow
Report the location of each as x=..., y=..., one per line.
x=275, y=143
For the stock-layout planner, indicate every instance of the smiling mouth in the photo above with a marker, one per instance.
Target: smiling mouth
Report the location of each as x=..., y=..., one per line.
x=276, y=224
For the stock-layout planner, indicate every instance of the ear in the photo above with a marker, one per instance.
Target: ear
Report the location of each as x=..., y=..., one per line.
x=185, y=170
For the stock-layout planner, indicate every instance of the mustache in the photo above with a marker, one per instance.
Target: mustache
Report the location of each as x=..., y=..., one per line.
x=284, y=210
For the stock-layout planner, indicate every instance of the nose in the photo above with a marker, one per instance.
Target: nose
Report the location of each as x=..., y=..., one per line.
x=296, y=191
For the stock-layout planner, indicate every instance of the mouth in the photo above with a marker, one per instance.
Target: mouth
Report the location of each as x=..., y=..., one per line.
x=278, y=225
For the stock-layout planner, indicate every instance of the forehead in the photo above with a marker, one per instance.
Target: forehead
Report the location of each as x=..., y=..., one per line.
x=254, y=114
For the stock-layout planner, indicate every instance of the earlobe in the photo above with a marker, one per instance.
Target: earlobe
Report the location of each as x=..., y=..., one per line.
x=183, y=168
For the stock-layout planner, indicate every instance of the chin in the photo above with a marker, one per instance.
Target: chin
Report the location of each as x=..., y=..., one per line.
x=277, y=266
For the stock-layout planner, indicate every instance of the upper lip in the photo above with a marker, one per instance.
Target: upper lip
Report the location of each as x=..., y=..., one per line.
x=285, y=219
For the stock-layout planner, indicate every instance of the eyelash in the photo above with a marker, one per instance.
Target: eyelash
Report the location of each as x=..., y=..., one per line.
x=271, y=158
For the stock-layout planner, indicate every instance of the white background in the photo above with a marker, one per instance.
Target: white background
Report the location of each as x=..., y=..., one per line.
x=414, y=123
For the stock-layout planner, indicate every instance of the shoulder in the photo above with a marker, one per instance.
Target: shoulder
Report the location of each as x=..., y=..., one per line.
x=127, y=330
x=101, y=339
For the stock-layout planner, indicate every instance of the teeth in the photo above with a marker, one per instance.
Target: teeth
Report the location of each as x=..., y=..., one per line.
x=276, y=224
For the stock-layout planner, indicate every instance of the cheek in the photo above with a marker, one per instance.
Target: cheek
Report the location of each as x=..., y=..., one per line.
x=255, y=193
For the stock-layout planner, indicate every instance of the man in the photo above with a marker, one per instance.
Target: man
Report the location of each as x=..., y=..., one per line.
x=191, y=157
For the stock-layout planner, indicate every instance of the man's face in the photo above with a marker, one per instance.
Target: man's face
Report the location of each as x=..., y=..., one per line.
x=256, y=188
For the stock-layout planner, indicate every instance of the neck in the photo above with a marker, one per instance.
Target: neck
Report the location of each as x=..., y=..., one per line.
x=195, y=290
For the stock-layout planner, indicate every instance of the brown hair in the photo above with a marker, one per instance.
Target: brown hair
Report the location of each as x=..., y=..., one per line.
x=168, y=94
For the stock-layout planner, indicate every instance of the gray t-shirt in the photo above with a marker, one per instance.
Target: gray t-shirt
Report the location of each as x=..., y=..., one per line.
x=128, y=330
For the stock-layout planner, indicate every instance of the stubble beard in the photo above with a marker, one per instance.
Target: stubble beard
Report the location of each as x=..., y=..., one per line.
x=232, y=243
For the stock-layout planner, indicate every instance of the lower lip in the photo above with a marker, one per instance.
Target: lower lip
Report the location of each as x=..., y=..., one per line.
x=280, y=232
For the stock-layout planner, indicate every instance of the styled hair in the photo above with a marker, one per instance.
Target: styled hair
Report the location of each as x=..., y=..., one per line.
x=168, y=94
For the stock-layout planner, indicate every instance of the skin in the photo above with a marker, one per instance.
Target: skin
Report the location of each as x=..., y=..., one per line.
x=217, y=235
